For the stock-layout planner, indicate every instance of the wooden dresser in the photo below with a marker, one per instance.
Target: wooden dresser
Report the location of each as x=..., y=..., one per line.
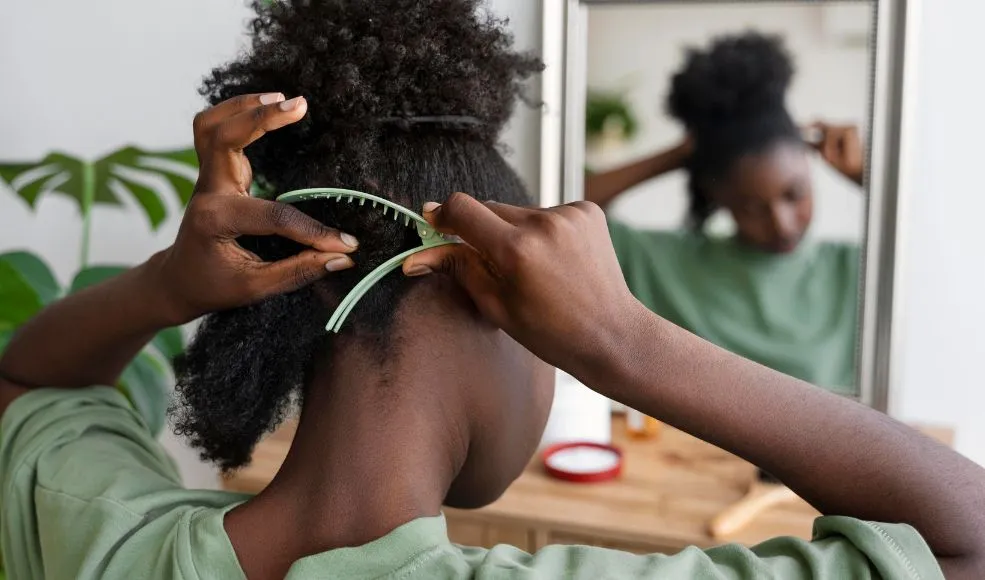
x=670, y=489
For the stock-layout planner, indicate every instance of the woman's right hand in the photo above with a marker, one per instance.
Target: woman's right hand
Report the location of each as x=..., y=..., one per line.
x=548, y=277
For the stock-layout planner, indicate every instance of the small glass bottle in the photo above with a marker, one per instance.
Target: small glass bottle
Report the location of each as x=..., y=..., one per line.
x=641, y=426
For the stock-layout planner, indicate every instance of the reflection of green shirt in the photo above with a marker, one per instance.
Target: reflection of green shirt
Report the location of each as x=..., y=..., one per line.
x=88, y=493
x=796, y=313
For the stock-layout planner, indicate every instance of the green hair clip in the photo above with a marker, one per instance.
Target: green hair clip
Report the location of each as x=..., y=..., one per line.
x=430, y=238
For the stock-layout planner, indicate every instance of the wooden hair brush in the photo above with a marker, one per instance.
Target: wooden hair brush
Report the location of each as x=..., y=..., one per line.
x=765, y=492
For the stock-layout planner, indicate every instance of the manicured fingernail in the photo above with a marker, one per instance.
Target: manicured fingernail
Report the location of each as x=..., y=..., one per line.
x=336, y=264
x=431, y=206
x=350, y=240
x=291, y=105
x=271, y=98
x=419, y=270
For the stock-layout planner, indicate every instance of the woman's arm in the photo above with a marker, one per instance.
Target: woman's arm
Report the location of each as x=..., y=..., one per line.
x=602, y=188
x=844, y=458
x=88, y=338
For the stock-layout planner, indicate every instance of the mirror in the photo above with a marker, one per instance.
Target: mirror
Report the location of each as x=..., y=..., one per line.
x=740, y=150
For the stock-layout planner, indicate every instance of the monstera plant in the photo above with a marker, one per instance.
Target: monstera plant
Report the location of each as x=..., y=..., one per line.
x=27, y=284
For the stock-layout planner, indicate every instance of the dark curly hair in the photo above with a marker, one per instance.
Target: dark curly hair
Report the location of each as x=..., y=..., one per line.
x=731, y=99
x=367, y=69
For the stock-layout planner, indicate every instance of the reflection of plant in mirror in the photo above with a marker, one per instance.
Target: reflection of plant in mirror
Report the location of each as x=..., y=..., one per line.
x=27, y=284
x=609, y=115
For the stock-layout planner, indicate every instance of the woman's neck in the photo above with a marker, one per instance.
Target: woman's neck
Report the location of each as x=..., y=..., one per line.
x=378, y=445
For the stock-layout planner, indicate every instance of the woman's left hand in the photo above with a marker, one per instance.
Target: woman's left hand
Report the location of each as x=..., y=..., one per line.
x=206, y=269
x=841, y=147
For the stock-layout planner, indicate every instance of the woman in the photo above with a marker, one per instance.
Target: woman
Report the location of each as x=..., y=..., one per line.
x=766, y=293
x=422, y=400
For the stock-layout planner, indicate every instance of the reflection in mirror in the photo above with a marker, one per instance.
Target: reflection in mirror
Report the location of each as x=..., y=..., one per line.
x=726, y=143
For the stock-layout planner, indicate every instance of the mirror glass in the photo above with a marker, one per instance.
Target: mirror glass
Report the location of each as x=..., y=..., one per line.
x=727, y=143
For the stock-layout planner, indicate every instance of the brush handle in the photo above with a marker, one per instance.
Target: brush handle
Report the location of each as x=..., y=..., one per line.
x=760, y=498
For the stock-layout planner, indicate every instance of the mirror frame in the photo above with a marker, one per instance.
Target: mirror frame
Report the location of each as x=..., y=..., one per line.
x=888, y=186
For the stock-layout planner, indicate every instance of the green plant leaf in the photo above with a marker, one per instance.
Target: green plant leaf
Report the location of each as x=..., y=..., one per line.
x=145, y=383
x=5, y=336
x=147, y=198
x=18, y=300
x=94, y=275
x=11, y=171
x=602, y=108
x=43, y=178
x=182, y=183
x=36, y=273
x=169, y=342
x=150, y=162
x=64, y=174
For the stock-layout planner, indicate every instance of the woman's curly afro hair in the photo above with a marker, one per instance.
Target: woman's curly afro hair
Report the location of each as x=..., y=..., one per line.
x=731, y=99
x=360, y=65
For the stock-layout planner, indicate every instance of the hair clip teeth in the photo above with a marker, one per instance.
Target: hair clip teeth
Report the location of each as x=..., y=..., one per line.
x=430, y=238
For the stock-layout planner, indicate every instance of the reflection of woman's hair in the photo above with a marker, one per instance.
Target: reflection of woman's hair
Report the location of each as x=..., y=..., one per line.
x=730, y=99
x=370, y=71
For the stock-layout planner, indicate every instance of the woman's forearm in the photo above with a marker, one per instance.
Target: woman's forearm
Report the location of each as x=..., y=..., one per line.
x=88, y=338
x=842, y=457
x=602, y=188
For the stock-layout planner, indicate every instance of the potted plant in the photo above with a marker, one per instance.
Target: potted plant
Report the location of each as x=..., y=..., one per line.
x=27, y=284
x=609, y=119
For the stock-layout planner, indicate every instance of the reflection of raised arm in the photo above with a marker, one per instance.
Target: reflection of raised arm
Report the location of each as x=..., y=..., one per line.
x=602, y=188
x=841, y=147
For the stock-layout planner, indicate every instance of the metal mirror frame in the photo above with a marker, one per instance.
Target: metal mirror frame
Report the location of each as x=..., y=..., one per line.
x=891, y=108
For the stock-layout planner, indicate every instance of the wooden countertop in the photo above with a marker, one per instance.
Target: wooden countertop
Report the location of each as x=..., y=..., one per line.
x=670, y=488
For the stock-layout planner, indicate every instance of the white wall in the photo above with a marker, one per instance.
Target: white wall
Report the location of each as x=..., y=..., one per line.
x=638, y=48
x=943, y=277
x=104, y=73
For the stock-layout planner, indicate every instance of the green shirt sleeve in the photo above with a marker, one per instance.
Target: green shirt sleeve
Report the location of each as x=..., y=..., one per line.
x=87, y=492
x=842, y=548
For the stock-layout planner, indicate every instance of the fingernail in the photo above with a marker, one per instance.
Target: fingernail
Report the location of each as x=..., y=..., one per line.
x=350, y=240
x=336, y=264
x=419, y=270
x=431, y=206
x=271, y=98
x=291, y=105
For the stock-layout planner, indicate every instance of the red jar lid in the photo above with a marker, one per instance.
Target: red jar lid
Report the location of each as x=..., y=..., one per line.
x=583, y=462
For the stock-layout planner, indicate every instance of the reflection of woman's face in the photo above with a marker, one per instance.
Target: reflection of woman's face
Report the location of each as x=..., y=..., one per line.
x=770, y=196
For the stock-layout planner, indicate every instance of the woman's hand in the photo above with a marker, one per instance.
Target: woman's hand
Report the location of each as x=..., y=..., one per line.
x=548, y=277
x=206, y=270
x=842, y=148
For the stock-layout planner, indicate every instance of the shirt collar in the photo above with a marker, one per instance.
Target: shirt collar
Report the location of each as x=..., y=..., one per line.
x=415, y=540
